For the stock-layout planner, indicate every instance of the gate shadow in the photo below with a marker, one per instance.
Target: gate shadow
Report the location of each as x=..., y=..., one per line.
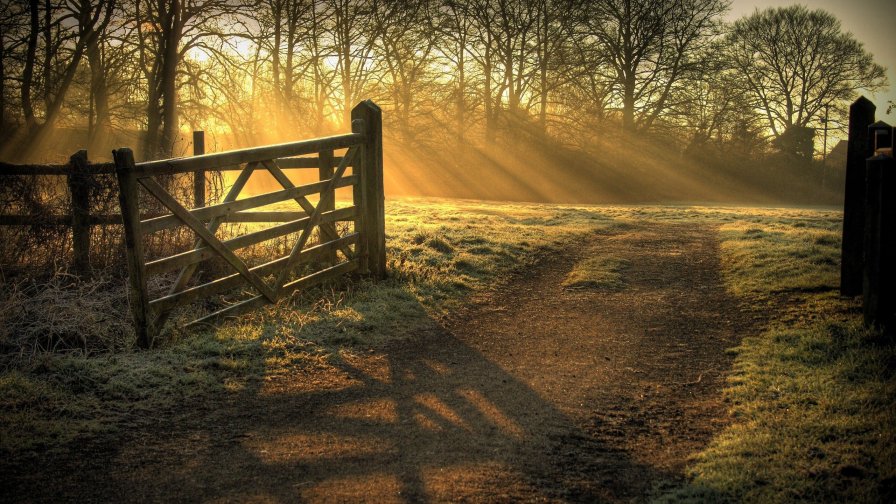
x=431, y=419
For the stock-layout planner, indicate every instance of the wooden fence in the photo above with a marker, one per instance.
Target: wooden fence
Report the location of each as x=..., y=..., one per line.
x=79, y=174
x=362, y=250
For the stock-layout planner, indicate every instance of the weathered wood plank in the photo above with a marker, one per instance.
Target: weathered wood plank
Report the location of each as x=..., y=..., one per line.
x=222, y=209
x=194, y=224
x=266, y=216
x=230, y=282
x=254, y=154
x=373, y=204
x=361, y=247
x=859, y=148
x=302, y=283
x=128, y=197
x=328, y=203
x=171, y=263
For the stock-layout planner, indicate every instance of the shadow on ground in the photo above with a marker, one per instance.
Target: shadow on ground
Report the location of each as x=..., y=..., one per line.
x=538, y=394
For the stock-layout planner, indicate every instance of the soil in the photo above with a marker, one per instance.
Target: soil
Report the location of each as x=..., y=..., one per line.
x=533, y=393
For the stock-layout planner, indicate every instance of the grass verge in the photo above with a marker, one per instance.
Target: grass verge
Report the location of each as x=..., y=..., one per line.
x=812, y=398
x=441, y=254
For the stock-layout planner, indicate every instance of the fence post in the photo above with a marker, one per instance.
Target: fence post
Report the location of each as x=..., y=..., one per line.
x=327, y=200
x=887, y=250
x=859, y=148
x=130, y=214
x=878, y=273
x=78, y=184
x=372, y=199
x=199, y=175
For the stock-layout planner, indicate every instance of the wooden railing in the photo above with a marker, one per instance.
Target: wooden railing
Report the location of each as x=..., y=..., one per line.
x=79, y=174
x=362, y=249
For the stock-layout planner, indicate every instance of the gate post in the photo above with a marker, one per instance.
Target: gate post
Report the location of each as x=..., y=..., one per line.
x=79, y=190
x=878, y=286
x=133, y=239
x=372, y=199
x=859, y=148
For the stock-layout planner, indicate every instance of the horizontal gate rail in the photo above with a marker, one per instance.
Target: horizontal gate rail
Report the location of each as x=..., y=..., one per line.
x=228, y=208
x=234, y=158
x=183, y=259
x=332, y=255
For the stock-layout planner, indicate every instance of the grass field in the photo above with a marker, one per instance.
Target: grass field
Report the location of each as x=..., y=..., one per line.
x=812, y=396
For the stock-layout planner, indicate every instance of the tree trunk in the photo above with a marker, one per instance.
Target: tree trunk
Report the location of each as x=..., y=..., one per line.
x=3, y=124
x=28, y=71
x=48, y=54
x=461, y=93
x=99, y=132
x=169, y=86
x=628, y=102
x=544, y=50
x=489, y=113
x=275, y=56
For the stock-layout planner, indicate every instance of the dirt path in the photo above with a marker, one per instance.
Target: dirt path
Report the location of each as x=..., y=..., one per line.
x=536, y=394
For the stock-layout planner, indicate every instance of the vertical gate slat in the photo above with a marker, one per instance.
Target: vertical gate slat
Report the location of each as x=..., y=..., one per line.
x=130, y=214
x=325, y=172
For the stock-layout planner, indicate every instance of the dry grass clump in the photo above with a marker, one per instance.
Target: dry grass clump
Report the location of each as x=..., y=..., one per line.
x=64, y=313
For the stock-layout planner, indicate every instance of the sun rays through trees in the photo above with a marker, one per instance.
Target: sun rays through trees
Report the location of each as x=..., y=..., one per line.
x=468, y=85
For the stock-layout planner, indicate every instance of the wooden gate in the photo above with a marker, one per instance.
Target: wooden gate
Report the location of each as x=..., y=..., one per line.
x=362, y=249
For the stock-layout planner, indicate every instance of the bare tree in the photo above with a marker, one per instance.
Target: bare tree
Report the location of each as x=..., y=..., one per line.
x=454, y=25
x=794, y=62
x=646, y=48
x=554, y=52
x=14, y=19
x=405, y=43
x=58, y=35
x=352, y=43
x=166, y=31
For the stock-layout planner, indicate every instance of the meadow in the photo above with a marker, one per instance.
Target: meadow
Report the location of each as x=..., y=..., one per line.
x=810, y=394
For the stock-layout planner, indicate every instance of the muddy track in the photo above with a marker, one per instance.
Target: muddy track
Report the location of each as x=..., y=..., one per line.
x=535, y=393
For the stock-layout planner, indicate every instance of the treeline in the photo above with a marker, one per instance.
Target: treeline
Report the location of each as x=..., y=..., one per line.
x=451, y=75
